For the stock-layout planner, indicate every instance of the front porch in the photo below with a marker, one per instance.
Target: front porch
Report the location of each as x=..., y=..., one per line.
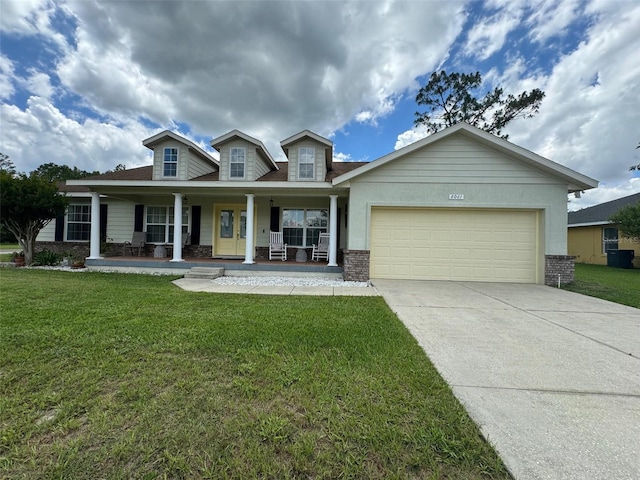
x=232, y=267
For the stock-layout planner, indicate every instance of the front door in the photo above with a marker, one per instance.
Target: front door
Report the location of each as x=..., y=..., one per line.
x=229, y=237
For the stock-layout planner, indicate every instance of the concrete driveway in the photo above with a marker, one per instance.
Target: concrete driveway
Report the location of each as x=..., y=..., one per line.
x=551, y=377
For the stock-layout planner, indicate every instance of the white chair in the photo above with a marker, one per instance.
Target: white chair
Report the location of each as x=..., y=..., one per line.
x=321, y=250
x=277, y=247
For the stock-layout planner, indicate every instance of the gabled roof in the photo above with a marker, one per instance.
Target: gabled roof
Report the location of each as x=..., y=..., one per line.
x=139, y=173
x=328, y=153
x=218, y=142
x=151, y=142
x=600, y=214
x=575, y=181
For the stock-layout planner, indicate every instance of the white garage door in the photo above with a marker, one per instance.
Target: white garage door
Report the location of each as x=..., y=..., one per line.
x=447, y=244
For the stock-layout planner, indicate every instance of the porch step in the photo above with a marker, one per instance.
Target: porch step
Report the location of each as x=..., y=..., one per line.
x=208, y=273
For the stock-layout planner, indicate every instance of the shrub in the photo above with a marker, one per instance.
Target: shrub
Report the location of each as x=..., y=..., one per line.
x=46, y=258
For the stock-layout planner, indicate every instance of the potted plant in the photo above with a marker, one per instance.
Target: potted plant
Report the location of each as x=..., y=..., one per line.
x=18, y=258
x=77, y=262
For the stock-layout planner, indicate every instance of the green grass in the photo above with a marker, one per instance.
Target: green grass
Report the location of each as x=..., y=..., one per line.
x=126, y=376
x=7, y=257
x=618, y=285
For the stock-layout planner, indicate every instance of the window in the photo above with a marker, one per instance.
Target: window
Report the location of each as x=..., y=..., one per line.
x=302, y=227
x=609, y=239
x=160, y=224
x=236, y=163
x=79, y=222
x=170, y=162
x=306, y=162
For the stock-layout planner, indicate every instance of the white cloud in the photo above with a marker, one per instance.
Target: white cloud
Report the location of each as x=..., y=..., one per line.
x=588, y=126
x=410, y=136
x=32, y=17
x=20, y=16
x=42, y=134
x=6, y=75
x=295, y=65
x=488, y=37
x=346, y=157
x=109, y=81
x=549, y=18
x=39, y=84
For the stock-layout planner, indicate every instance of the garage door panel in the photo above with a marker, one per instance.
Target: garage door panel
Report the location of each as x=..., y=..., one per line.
x=446, y=244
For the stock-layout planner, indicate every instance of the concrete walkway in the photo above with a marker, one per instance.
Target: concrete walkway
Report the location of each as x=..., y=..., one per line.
x=203, y=285
x=551, y=377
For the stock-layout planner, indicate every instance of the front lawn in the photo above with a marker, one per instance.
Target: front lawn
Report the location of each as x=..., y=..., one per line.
x=127, y=376
x=618, y=285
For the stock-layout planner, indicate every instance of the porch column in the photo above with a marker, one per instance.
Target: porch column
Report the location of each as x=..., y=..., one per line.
x=177, y=228
x=333, y=231
x=248, y=251
x=94, y=249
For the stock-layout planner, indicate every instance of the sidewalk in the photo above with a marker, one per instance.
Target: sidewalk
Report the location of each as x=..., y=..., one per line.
x=200, y=285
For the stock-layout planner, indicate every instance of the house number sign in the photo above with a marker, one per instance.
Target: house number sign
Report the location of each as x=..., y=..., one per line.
x=456, y=196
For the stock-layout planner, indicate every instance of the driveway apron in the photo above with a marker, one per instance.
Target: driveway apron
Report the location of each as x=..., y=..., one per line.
x=551, y=377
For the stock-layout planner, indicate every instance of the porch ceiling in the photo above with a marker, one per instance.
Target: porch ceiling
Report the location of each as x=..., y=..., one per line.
x=136, y=193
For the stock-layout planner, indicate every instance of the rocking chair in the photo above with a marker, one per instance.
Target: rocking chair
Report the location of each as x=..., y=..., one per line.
x=277, y=247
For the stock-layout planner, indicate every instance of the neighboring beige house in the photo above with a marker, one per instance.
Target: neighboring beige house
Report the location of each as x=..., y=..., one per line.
x=591, y=234
x=461, y=204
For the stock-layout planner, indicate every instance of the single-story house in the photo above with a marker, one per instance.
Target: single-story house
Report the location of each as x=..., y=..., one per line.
x=460, y=204
x=592, y=235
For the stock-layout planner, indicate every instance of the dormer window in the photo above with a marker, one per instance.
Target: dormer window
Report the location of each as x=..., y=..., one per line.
x=237, y=162
x=170, y=162
x=306, y=163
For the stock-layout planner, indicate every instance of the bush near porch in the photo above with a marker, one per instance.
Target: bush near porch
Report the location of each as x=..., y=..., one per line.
x=127, y=376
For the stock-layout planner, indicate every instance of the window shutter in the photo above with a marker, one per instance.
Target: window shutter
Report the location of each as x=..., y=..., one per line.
x=138, y=220
x=338, y=232
x=274, y=224
x=103, y=222
x=196, y=212
x=59, y=229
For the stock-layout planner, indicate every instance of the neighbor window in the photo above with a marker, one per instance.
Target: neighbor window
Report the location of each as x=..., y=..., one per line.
x=237, y=162
x=170, y=162
x=78, y=222
x=302, y=227
x=609, y=239
x=306, y=162
x=160, y=224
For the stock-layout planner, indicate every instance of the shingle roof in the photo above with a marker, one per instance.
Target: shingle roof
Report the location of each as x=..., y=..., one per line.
x=63, y=187
x=601, y=213
x=337, y=169
x=146, y=173
x=140, y=173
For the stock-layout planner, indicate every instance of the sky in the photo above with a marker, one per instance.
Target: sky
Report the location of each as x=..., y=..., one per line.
x=83, y=82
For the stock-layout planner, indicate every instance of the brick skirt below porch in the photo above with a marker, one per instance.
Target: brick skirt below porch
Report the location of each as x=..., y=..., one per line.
x=231, y=266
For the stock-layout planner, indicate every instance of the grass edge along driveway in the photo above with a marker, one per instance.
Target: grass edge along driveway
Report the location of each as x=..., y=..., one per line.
x=127, y=376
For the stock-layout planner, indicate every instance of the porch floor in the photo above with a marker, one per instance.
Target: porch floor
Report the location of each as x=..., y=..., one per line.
x=231, y=266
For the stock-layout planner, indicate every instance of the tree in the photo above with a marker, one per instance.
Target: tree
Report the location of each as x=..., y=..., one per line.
x=453, y=98
x=27, y=205
x=55, y=173
x=6, y=164
x=635, y=167
x=628, y=221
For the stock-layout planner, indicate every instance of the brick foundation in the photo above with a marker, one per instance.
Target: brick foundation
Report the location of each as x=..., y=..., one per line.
x=563, y=265
x=75, y=250
x=356, y=265
x=82, y=249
